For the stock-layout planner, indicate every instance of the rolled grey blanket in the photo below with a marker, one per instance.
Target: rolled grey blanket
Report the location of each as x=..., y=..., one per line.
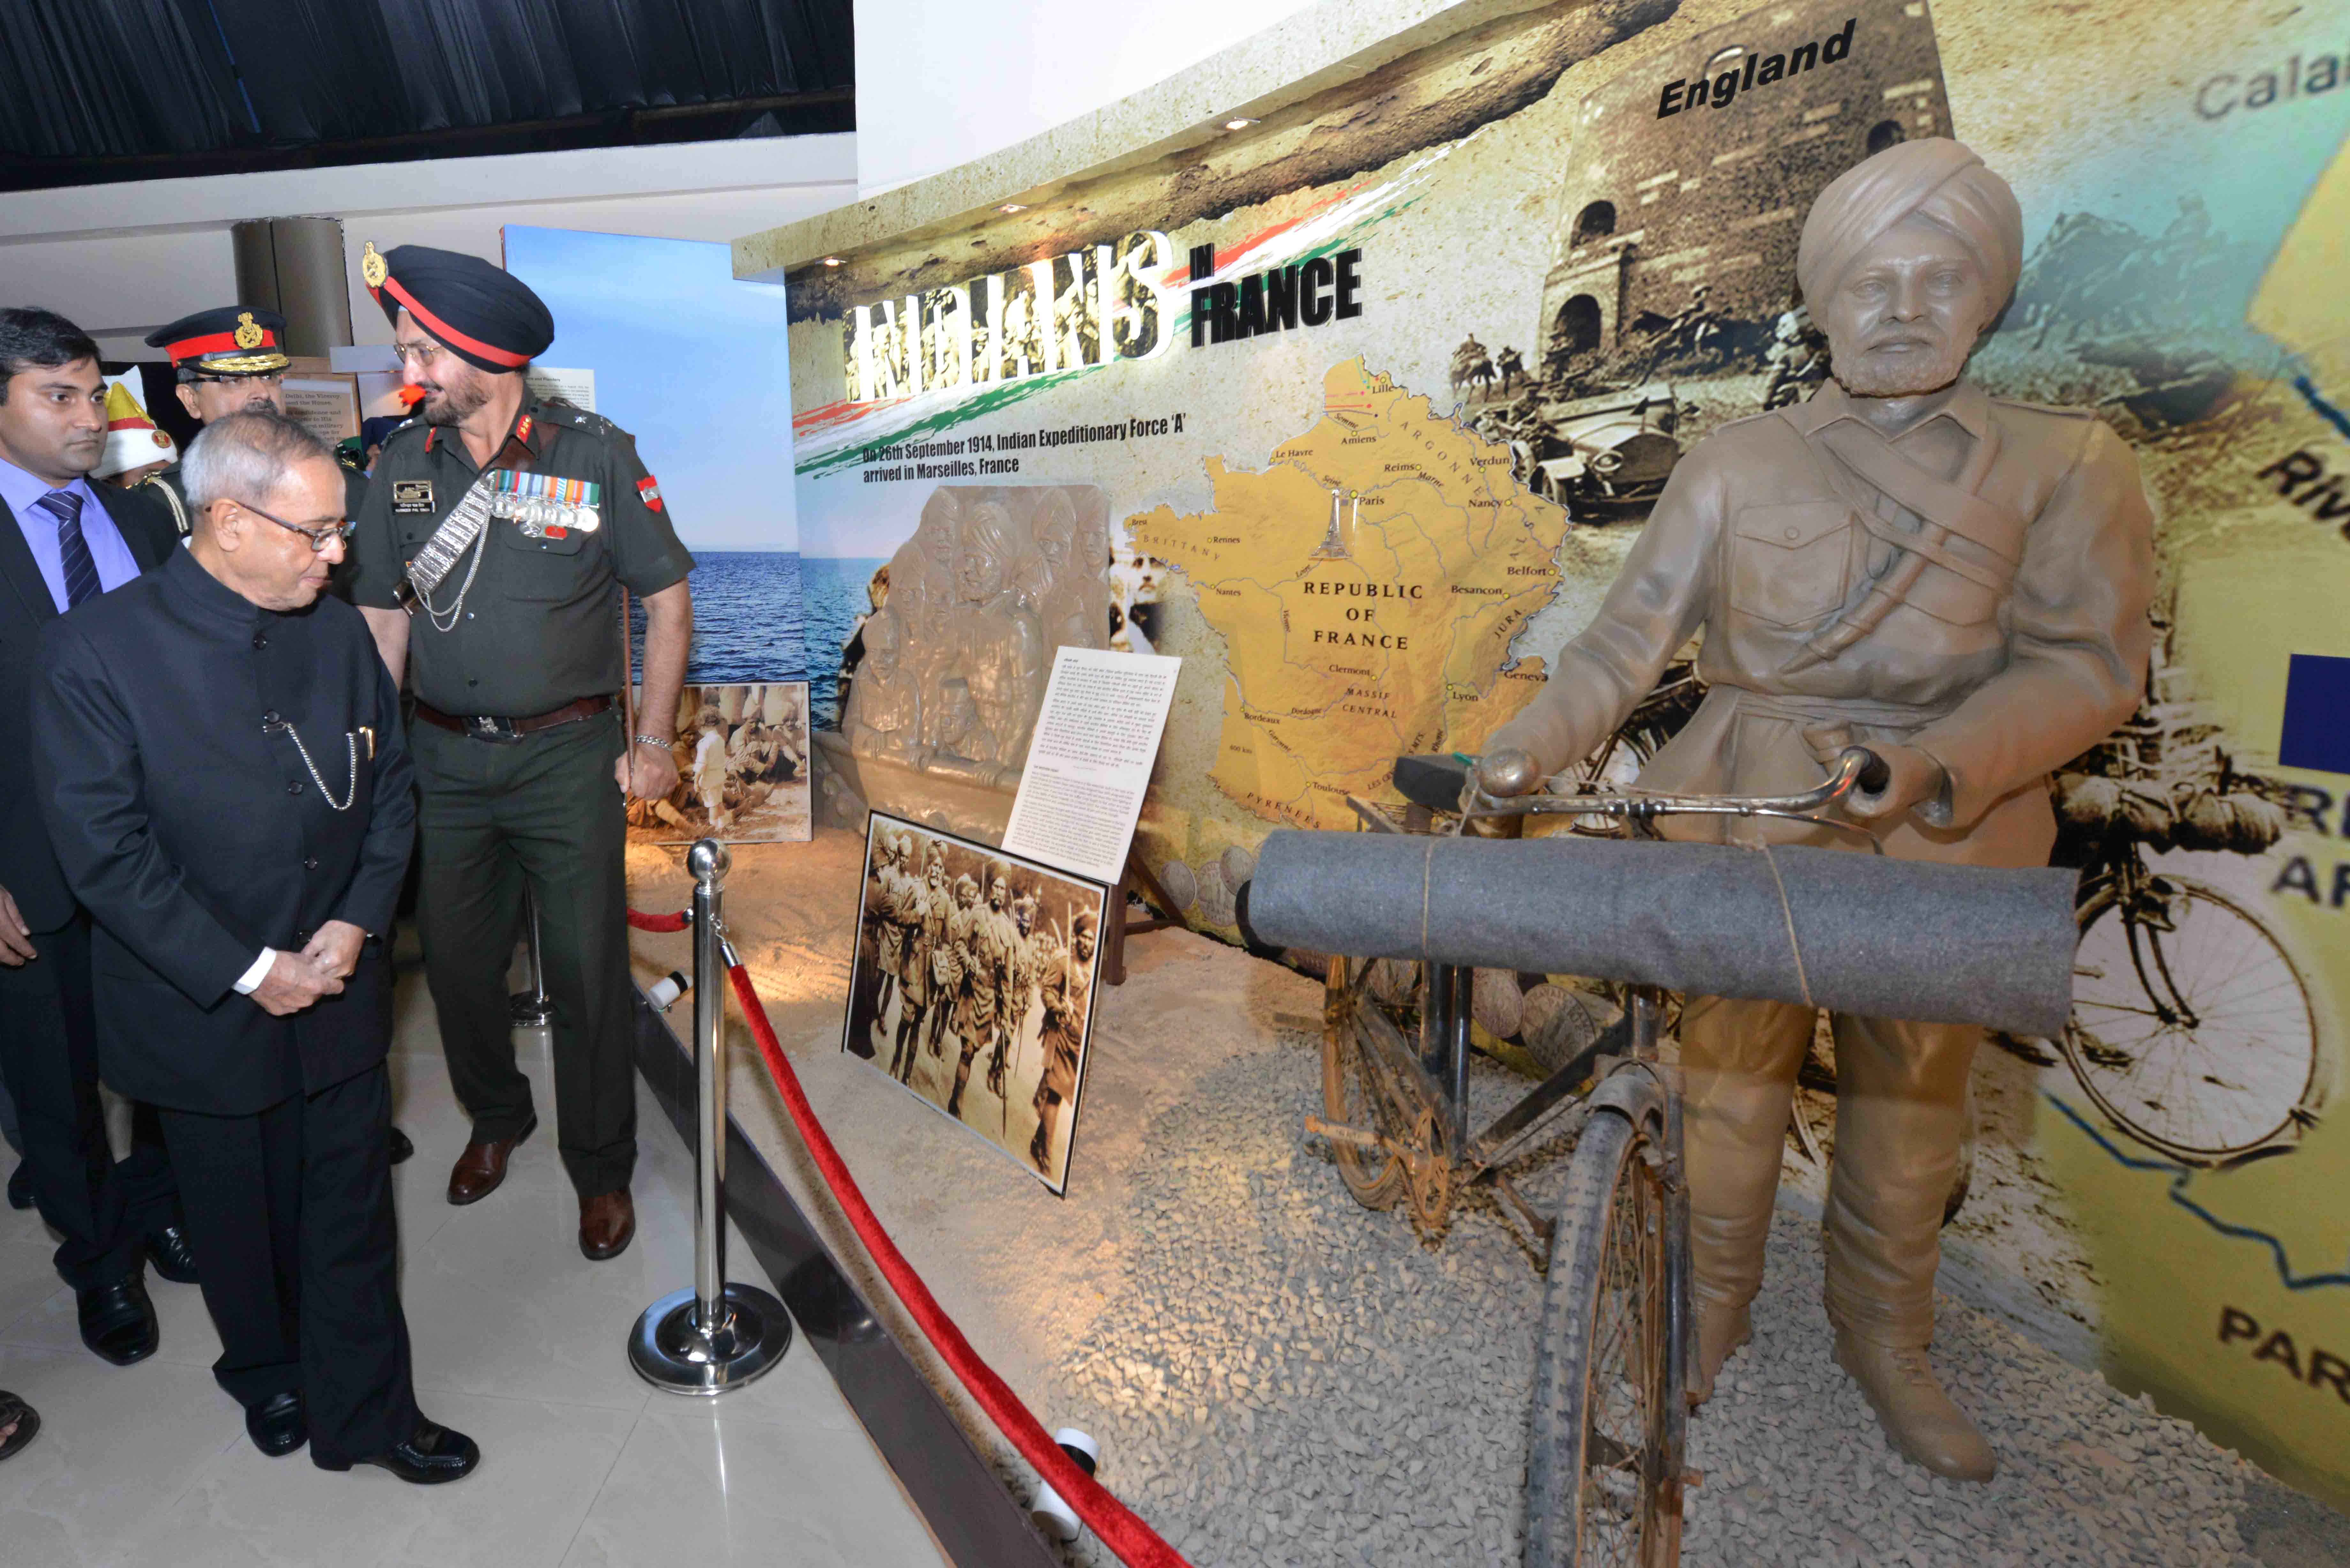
x=1882, y=937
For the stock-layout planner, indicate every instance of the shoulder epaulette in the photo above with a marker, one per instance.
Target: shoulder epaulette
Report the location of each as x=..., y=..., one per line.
x=405, y=431
x=557, y=411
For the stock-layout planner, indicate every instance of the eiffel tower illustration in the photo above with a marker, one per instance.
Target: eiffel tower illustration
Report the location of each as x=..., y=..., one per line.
x=1333, y=544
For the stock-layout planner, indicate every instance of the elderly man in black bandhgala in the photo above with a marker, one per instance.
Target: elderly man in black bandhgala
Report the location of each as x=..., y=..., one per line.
x=219, y=756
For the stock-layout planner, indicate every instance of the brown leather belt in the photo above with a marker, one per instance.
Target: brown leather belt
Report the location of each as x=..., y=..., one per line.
x=483, y=727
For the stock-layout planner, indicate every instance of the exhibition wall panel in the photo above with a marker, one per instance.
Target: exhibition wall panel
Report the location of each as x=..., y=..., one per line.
x=1382, y=381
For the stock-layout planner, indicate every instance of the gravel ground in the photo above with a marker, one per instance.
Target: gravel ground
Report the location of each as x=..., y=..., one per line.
x=1283, y=1378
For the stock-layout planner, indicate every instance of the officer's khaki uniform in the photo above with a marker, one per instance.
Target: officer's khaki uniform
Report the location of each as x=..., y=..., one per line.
x=2015, y=545
x=539, y=630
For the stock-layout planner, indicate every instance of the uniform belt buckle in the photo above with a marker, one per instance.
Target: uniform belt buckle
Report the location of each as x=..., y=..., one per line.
x=483, y=727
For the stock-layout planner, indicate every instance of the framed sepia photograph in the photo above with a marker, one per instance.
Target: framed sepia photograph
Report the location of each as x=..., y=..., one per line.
x=973, y=985
x=742, y=768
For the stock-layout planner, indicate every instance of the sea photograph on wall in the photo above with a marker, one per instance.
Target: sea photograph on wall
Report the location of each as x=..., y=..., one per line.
x=709, y=401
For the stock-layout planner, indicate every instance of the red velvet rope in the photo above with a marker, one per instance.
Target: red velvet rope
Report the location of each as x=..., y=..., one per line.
x=644, y=922
x=1135, y=1543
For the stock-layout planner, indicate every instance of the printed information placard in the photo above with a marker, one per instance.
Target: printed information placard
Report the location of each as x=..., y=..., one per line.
x=1090, y=760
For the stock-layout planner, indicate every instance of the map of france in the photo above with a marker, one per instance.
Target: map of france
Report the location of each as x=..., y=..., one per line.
x=1346, y=652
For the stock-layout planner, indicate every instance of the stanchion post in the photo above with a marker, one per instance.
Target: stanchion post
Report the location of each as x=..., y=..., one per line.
x=531, y=1009
x=711, y=1337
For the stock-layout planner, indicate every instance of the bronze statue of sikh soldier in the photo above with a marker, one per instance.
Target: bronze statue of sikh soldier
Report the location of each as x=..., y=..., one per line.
x=1958, y=582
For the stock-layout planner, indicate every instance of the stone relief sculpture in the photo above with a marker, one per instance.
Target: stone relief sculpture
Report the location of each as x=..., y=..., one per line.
x=1004, y=656
x=994, y=580
x=886, y=708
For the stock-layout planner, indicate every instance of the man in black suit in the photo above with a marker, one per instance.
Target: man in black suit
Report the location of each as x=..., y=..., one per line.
x=219, y=755
x=62, y=541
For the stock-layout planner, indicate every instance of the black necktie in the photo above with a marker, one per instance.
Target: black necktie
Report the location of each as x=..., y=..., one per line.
x=81, y=572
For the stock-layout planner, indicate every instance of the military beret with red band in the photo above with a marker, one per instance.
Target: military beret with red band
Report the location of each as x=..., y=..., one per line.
x=479, y=312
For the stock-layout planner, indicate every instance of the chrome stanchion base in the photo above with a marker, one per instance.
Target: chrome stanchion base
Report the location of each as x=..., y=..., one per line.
x=528, y=1010
x=670, y=1350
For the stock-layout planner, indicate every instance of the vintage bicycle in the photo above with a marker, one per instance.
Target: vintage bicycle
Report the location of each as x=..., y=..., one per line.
x=1605, y=1469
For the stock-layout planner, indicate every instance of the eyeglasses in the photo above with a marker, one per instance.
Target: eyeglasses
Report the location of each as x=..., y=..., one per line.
x=418, y=352
x=319, y=537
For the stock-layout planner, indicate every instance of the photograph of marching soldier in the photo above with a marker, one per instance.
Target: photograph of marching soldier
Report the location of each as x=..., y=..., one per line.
x=741, y=763
x=498, y=533
x=974, y=986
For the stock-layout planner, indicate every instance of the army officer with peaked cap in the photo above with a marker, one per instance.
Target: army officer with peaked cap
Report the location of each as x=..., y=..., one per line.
x=498, y=533
x=227, y=360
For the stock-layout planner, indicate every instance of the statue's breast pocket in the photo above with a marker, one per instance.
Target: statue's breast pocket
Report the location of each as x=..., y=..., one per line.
x=1791, y=564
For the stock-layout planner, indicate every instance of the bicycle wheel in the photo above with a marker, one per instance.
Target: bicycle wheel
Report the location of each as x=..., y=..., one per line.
x=1349, y=1094
x=2192, y=1029
x=1605, y=1441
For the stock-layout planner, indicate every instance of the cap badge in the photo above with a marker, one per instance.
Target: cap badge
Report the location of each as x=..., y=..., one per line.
x=372, y=266
x=248, y=333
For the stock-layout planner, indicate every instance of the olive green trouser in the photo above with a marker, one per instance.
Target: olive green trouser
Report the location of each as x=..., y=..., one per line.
x=544, y=812
x=1900, y=1115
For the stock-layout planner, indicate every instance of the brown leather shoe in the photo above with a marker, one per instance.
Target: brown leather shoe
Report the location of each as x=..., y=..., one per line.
x=1918, y=1418
x=608, y=1224
x=482, y=1165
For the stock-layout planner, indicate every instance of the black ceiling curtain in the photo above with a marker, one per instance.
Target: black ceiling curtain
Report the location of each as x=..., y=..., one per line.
x=97, y=79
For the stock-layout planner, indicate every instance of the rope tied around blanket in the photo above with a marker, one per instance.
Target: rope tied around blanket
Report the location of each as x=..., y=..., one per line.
x=644, y=923
x=1787, y=908
x=1123, y=1532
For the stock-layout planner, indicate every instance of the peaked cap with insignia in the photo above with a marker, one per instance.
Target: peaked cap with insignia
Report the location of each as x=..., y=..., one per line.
x=233, y=340
x=479, y=312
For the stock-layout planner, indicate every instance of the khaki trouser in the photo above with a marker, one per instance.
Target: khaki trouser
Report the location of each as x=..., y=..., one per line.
x=1900, y=1115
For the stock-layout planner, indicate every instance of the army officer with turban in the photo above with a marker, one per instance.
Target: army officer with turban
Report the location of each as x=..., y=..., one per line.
x=498, y=532
x=1958, y=583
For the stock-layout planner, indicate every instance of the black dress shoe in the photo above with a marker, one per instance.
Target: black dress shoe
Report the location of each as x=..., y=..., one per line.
x=400, y=1147
x=433, y=1454
x=168, y=1249
x=276, y=1425
x=118, y=1321
x=20, y=1186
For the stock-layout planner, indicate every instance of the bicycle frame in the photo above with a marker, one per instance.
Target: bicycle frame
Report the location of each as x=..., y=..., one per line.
x=1440, y=1075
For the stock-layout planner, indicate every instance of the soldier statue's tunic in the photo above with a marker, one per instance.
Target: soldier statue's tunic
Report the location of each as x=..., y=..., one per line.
x=516, y=661
x=1968, y=590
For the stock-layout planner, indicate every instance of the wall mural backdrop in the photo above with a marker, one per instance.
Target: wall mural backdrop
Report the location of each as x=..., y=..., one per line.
x=1378, y=390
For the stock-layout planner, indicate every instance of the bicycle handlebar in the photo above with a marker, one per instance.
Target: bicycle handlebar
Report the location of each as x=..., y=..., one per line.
x=1856, y=770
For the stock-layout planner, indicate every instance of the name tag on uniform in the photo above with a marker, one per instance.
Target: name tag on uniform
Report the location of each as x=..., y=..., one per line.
x=412, y=495
x=544, y=505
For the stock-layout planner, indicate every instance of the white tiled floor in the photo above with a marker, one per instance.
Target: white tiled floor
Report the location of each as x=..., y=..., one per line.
x=519, y=1341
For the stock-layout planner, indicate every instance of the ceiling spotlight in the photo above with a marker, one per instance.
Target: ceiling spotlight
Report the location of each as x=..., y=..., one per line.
x=1238, y=124
x=832, y=261
x=1012, y=207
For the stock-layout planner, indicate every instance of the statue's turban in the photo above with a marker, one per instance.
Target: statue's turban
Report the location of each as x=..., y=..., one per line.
x=1933, y=177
